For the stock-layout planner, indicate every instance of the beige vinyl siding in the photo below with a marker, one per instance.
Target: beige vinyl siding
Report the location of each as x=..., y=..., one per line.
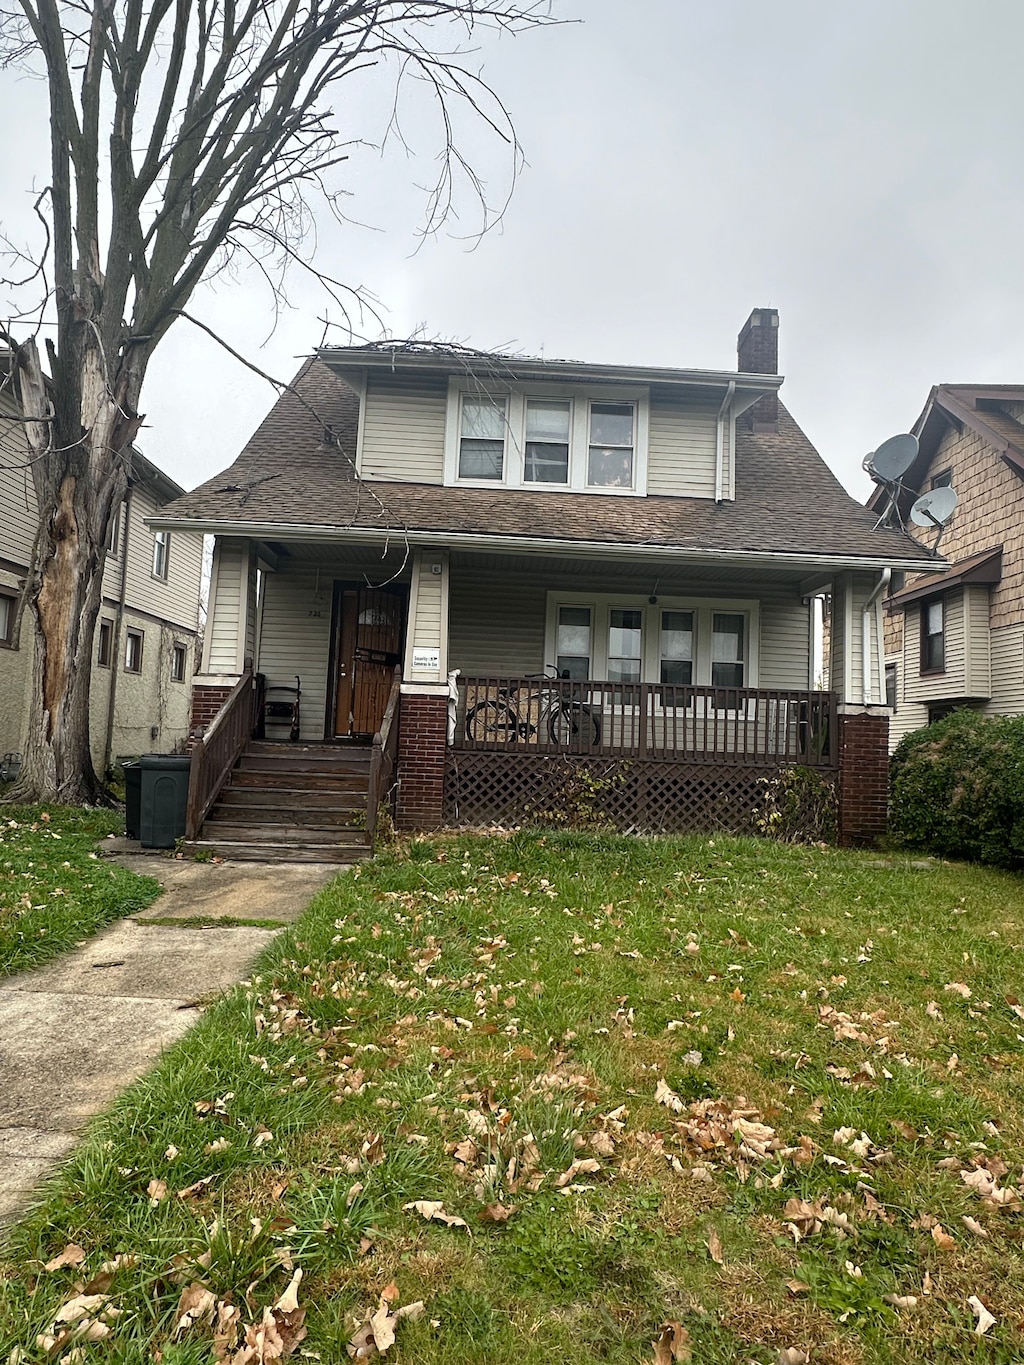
x=977, y=655
x=428, y=627
x=1007, y=672
x=952, y=682
x=176, y=599
x=295, y=638
x=846, y=630
x=785, y=641
x=403, y=428
x=681, y=450
x=223, y=625
x=17, y=496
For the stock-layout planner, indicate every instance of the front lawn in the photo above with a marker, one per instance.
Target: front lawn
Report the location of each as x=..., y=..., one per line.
x=54, y=889
x=573, y=1095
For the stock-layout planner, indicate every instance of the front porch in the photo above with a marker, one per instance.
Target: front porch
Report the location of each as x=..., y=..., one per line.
x=657, y=696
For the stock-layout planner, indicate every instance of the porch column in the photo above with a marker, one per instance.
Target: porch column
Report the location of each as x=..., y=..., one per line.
x=229, y=637
x=863, y=774
x=423, y=723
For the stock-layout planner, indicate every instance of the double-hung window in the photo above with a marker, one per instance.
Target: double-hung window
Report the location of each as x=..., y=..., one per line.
x=676, y=648
x=727, y=632
x=574, y=641
x=482, y=438
x=933, y=636
x=7, y=613
x=625, y=656
x=610, y=454
x=548, y=429
x=161, y=552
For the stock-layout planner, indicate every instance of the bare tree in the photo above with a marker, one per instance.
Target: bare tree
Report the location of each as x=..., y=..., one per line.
x=222, y=123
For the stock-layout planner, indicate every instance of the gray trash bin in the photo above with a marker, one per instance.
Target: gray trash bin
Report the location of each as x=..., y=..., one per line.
x=164, y=799
x=132, y=799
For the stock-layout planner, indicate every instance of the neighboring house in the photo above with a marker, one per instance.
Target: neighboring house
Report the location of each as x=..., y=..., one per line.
x=956, y=638
x=654, y=537
x=145, y=646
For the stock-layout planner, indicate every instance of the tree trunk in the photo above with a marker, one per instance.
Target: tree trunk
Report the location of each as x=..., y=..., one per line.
x=79, y=451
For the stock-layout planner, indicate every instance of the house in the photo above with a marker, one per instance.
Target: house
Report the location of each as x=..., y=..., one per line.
x=148, y=623
x=652, y=539
x=956, y=638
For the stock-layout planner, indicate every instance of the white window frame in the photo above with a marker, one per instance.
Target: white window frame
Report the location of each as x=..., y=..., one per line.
x=703, y=609
x=161, y=539
x=133, y=633
x=581, y=396
x=179, y=650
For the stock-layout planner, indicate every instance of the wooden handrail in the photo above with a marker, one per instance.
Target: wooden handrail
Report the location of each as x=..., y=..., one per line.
x=383, y=758
x=216, y=751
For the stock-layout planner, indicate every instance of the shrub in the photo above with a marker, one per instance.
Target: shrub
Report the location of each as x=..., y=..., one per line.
x=797, y=806
x=957, y=788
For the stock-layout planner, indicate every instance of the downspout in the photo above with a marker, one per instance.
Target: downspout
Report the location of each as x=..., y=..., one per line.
x=720, y=440
x=865, y=638
x=115, y=645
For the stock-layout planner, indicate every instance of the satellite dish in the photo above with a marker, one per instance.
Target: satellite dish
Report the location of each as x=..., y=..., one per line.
x=893, y=458
x=934, y=508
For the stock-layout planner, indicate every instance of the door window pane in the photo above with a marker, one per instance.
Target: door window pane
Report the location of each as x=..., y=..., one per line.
x=677, y=647
x=482, y=439
x=610, y=456
x=727, y=631
x=547, y=442
x=624, y=631
x=573, y=643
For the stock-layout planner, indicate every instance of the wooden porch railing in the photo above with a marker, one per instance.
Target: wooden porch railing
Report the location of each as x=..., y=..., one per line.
x=725, y=726
x=216, y=753
x=383, y=758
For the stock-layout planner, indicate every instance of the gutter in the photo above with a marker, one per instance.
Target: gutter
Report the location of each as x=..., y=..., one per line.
x=867, y=691
x=720, y=441
x=494, y=544
x=115, y=644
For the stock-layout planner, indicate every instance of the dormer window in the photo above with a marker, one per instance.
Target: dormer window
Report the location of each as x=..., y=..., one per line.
x=610, y=459
x=482, y=442
x=553, y=436
x=548, y=430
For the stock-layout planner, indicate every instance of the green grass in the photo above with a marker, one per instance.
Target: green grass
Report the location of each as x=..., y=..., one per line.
x=54, y=889
x=532, y=992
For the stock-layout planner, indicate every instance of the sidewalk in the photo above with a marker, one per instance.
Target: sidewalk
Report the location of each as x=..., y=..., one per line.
x=74, y=1033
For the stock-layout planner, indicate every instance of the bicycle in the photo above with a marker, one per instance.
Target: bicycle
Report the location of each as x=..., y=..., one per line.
x=510, y=716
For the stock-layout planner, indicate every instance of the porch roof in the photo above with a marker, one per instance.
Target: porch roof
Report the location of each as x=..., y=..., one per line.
x=296, y=479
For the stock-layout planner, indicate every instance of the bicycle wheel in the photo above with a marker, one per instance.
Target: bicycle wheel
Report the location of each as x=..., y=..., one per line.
x=492, y=722
x=574, y=725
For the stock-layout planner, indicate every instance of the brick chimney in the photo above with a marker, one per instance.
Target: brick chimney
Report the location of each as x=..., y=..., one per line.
x=757, y=352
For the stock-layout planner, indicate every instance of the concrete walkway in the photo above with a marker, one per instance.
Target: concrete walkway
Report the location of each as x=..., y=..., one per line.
x=74, y=1033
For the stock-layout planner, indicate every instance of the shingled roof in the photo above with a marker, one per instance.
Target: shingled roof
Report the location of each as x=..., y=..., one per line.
x=298, y=471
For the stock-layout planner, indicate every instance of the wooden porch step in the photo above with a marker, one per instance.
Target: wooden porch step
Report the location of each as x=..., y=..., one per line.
x=270, y=746
x=279, y=779
x=252, y=832
x=267, y=852
x=302, y=763
x=251, y=802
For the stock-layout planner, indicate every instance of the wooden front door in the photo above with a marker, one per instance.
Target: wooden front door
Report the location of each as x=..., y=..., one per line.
x=371, y=622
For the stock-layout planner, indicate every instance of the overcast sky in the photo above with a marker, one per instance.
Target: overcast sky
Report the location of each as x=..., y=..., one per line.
x=855, y=166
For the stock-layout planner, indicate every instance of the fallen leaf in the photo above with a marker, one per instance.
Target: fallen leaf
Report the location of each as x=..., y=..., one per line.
x=196, y=1306
x=586, y=1166
x=197, y=1187
x=974, y=1226
x=289, y=1300
x=901, y=1300
x=798, y=1287
x=157, y=1190
x=958, y=988
x=664, y=1094
x=81, y=1306
x=673, y=1344
x=942, y=1239
x=434, y=1210
x=495, y=1213
x=791, y=1355
x=72, y=1255
x=715, y=1248
x=985, y=1318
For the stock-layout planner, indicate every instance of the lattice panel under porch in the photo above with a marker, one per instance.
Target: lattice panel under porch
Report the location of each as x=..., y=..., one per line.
x=629, y=795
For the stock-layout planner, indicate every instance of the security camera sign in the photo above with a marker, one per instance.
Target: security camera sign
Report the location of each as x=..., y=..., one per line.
x=426, y=660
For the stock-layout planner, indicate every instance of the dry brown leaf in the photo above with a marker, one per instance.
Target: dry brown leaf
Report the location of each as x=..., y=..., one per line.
x=197, y=1187
x=798, y=1287
x=383, y=1324
x=434, y=1210
x=985, y=1318
x=664, y=1094
x=602, y=1143
x=974, y=1226
x=81, y=1306
x=496, y=1213
x=942, y=1239
x=225, y=1330
x=792, y=1355
x=673, y=1344
x=715, y=1248
x=901, y=1300
x=289, y=1300
x=373, y=1150
x=390, y=1293
x=958, y=988
x=196, y=1306
x=72, y=1255
x=157, y=1190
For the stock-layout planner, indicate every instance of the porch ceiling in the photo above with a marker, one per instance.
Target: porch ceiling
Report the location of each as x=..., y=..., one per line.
x=630, y=571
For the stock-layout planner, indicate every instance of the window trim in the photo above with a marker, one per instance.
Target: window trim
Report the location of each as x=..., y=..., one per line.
x=104, y=622
x=703, y=609
x=580, y=398
x=7, y=639
x=932, y=670
x=134, y=633
x=161, y=538
x=179, y=650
